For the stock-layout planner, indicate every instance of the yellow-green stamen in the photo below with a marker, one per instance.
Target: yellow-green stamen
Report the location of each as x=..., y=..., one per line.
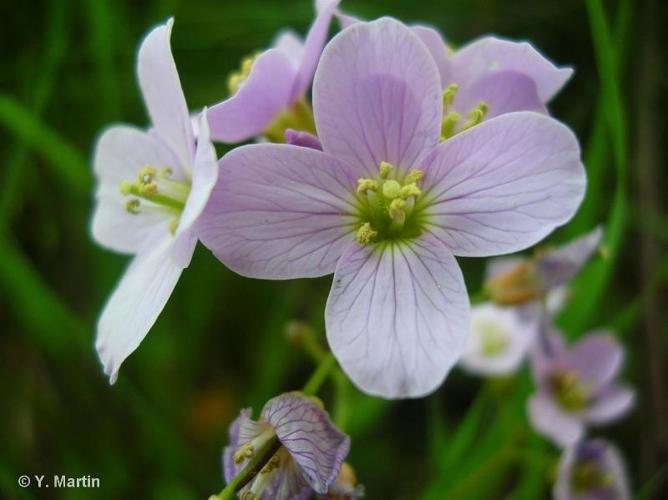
x=238, y=77
x=162, y=193
x=570, y=391
x=388, y=204
x=587, y=475
x=450, y=124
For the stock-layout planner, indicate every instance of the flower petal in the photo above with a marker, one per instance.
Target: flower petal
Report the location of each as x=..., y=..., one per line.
x=313, y=45
x=438, y=50
x=279, y=212
x=504, y=185
x=161, y=88
x=301, y=138
x=119, y=154
x=503, y=91
x=310, y=437
x=137, y=302
x=292, y=47
x=564, y=429
x=289, y=484
x=264, y=94
x=560, y=265
x=377, y=97
x=397, y=316
x=490, y=54
x=597, y=358
x=518, y=335
x=230, y=468
x=204, y=177
x=611, y=403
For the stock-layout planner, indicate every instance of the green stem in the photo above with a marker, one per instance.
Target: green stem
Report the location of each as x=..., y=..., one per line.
x=267, y=451
x=319, y=375
x=481, y=296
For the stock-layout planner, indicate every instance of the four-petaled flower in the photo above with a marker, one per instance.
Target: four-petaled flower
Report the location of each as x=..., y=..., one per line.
x=498, y=342
x=309, y=456
x=386, y=205
x=591, y=470
x=152, y=186
x=267, y=93
x=576, y=387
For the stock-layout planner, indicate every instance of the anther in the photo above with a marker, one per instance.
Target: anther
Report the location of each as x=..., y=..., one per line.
x=246, y=451
x=449, y=95
x=413, y=176
x=365, y=234
x=385, y=169
x=477, y=115
x=364, y=185
x=132, y=206
x=410, y=190
x=448, y=125
x=146, y=174
x=148, y=189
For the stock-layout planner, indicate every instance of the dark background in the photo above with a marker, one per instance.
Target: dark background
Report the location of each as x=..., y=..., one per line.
x=68, y=69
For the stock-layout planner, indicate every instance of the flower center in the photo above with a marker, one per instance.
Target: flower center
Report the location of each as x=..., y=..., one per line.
x=389, y=208
x=587, y=475
x=238, y=77
x=298, y=116
x=451, y=119
x=571, y=392
x=264, y=478
x=156, y=191
x=493, y=339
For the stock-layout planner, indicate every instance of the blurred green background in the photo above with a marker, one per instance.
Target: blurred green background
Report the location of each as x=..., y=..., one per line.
x=68, y=69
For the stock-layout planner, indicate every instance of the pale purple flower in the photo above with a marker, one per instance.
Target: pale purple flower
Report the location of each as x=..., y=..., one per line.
x=270, y=83
x=152, y=186
x=498, y=342
x=576, y=386
x=386, y=206
x=592, y=470
x=308, y=460
x=526, y=281
x=502, y=74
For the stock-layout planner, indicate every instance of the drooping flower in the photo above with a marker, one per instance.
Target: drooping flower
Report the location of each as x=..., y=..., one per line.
x=152, y=186
x=385, y=206
x=591, y=470
x=345, y=487
x=267, y=94
x=576, y=386
x=524, y=281
x=498, y=341
x=487, y=77
x=309, y=456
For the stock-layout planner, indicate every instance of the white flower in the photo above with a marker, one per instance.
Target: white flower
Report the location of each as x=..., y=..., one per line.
x=152, y=187
x=498, y=342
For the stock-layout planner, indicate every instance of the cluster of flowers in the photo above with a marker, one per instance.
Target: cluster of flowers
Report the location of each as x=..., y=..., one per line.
x=575, y=385
x=401, y=155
